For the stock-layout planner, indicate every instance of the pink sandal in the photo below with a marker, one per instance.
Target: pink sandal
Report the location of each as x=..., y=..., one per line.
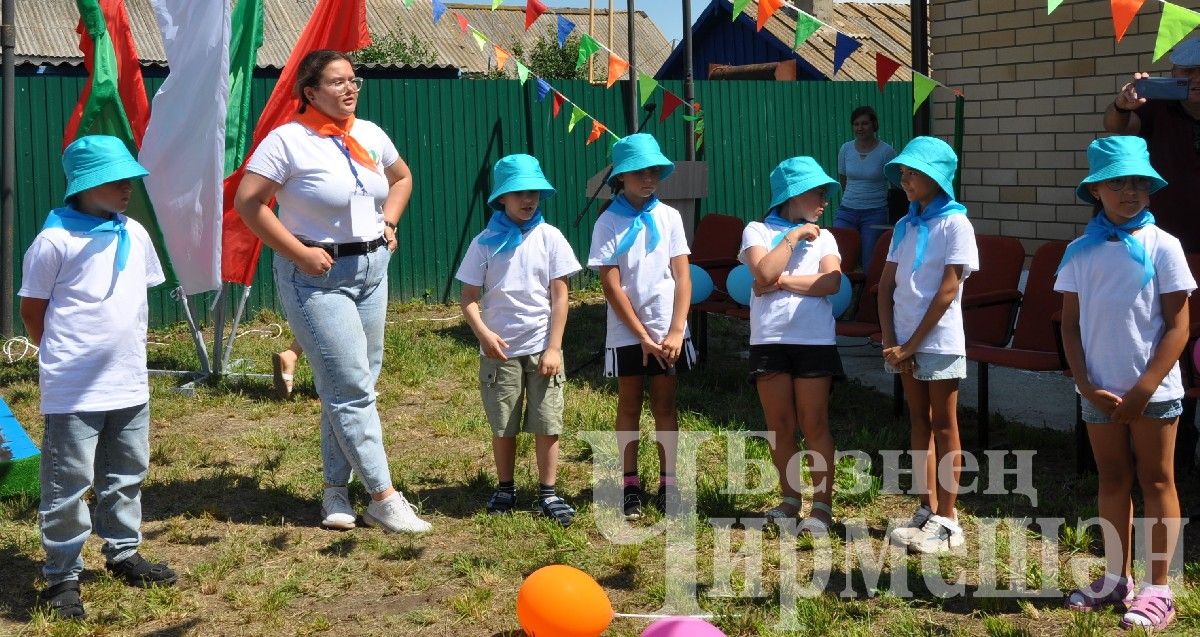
x=1093, y=596
x=1152, y=611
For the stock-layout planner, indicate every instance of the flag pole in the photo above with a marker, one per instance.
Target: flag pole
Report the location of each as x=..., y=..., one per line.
x=9, y=177
x=630, y=9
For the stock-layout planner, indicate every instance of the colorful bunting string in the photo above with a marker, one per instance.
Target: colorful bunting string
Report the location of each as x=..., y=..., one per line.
x=501, y=58
x=588, y=47
x=598, y=129
x=646, y=86
x=1123, y=13
x=439, y=9
x=1176, y=23
x=885, y=67
x=1051, y=5
x=462, y=22
x=533, y=10
x=616, y=68
x=577, y=115
x=766, y=9
x=842, y=50
x=565, y=27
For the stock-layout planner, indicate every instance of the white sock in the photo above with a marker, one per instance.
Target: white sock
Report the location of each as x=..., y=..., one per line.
x=1160, y=590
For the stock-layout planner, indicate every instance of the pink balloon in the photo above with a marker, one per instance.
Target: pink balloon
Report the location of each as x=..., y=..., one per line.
x=682, y=627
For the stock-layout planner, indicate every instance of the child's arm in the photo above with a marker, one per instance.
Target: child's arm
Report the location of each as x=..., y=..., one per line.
x=828, y=279
x=1073, y=350
x=493, y=346
x=551, y=364
x=1174, y=339
x=33, y=315
x=672, y=345
x=952, y=277
x=610, y=281
x=770, y=264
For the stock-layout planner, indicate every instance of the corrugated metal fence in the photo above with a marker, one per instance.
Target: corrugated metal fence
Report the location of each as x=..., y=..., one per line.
x=451, y=132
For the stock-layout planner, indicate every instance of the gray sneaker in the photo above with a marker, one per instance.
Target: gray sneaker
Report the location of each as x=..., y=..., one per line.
x=336, y=512
x=939, y=535
x=395, y=515
x=903, y=534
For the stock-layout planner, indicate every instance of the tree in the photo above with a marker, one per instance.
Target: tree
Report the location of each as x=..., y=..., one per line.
x=396, y=47
x=547, y=60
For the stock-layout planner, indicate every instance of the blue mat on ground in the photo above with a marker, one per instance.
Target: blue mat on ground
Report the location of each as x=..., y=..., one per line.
x=20, y=459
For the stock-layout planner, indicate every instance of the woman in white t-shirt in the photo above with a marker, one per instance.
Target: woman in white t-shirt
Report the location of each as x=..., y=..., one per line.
x=341, y=188
x=793, y=352
x=864, y=187
x=920, y=316
x=1125, y=286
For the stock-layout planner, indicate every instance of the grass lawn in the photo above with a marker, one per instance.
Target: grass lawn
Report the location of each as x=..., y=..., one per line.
x=233, y=496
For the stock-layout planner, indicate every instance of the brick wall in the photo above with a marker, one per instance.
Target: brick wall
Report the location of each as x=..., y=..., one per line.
x=1036, y=87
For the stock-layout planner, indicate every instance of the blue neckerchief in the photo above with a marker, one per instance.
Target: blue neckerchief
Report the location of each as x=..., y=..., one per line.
x=504, y=235
x=641, y=219
x=941, y=206
x=72, y=220
x=1100, y=229
x=780, y=225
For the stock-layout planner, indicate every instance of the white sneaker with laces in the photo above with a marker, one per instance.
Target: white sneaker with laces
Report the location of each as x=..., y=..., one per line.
x=903, y=534
x=396, y=515
x=336, y=512
x=939, y=535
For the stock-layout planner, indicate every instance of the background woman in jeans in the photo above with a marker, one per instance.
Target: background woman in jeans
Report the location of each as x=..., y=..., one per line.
x=341, y=188
x=864, y=188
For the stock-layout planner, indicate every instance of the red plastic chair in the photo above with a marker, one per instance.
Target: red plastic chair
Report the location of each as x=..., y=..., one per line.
x=1187, y=436
x=990, y=295
x=866, y=316
x=715, y=249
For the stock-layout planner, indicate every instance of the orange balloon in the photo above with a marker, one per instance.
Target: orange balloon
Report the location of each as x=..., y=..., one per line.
x=561, y=601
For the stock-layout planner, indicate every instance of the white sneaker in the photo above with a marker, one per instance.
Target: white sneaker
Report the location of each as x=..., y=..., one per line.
x=939, y=535
x=336, y=512
x=395, y=515
x=903, y=534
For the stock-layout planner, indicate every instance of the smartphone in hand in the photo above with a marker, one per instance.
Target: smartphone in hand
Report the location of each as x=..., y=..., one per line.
x=1162, y=88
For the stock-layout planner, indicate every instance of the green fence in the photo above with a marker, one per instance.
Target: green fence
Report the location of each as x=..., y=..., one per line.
x=452, y=131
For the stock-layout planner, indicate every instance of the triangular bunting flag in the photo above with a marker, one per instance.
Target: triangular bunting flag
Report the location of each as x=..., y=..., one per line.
x=842, y=50
x=806, y=25
x=766, y=9
x=495, y=4
x=739, y=7
x=587, y=48
x=1176, y=23
x=1051, y=5
x=885, y=68
x=543, y=89
x=408, y=4
x=598, y=129
x=557, y=99
x=1123, y=12
x=522, y=72
x=616, y=68
x=439, y=9
x=646, y=86
x=501, y=57
x=922, y=87
x=671, y=102
x=565, y=27
x=533, y=10
x=462, y=22
x=577, y=116
x=480, y=38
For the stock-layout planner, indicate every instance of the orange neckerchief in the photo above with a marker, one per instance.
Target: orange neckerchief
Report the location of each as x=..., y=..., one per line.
x=326, y=126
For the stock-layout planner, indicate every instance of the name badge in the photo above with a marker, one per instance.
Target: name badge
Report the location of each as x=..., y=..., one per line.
x=364, y=220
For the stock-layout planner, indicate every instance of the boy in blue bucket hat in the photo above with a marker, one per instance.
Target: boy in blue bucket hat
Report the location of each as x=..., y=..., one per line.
x=793, y=349
x=517, y=270
x=83, y=302
x=1125, y=286
x=641, y=252
x=932, y=252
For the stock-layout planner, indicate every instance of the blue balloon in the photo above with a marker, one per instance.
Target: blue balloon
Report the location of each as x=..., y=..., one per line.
x=702, y=284
x=841, y=299
x=740, y=284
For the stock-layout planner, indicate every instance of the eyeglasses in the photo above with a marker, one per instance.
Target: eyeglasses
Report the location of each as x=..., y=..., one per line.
x=1122, y=183
x=342, y=85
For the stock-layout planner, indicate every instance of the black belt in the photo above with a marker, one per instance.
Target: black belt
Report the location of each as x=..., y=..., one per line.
x=352, y=249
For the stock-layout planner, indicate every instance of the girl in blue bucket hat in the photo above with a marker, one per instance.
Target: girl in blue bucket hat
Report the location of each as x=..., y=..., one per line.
x=83, y=302
x=793, y=351
x=517, y=269
x=641, y=252
x=1125, y=286
x=932, y=252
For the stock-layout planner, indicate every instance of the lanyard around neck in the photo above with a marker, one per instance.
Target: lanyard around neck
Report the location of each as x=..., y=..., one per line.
x=354, y=171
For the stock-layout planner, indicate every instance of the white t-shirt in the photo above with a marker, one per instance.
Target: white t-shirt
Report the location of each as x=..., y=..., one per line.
x=516, y=286
x=314, y=200
x=93, y=349
x=645, y=276
x=951, y=242
x=785, y=317
x=866, y=186
x=1120, y=320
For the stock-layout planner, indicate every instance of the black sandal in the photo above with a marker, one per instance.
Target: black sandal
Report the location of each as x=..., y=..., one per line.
x=558, y=510
x=138, y=571
x=63, y=598
x=501, y=502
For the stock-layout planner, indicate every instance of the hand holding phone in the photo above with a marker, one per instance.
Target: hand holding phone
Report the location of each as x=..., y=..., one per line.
x=1162, y=88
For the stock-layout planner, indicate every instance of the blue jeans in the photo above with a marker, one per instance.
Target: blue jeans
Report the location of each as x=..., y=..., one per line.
x=338, y=319
x=864, y=221
x=105, y=450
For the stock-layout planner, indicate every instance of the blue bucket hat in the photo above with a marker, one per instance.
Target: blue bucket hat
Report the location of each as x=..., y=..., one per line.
x=1115, y=157
x=514, y=173
x=929, y=155
x=95, y=160
x=636, y=152
x=1187, y=54
x=796, y=176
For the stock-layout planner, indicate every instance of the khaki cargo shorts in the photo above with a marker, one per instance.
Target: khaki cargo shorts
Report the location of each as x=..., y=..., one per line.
x=514, y=387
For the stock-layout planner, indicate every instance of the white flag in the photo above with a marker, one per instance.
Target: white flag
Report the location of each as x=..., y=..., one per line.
x=184, y=145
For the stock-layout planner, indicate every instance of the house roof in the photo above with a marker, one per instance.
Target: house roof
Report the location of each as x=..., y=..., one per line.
x=46, y=31
x=880, y=27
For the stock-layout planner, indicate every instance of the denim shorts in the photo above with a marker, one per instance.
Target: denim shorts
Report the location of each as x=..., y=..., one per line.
x=514, y=388
x=1162, y=410
x=936, y=366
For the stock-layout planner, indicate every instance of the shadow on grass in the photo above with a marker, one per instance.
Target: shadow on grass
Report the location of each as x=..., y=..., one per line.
x=188, y=627
x=228, y=497
x=17, y=596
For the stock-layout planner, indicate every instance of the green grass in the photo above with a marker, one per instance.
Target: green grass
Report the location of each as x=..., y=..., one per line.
x=234, y=489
